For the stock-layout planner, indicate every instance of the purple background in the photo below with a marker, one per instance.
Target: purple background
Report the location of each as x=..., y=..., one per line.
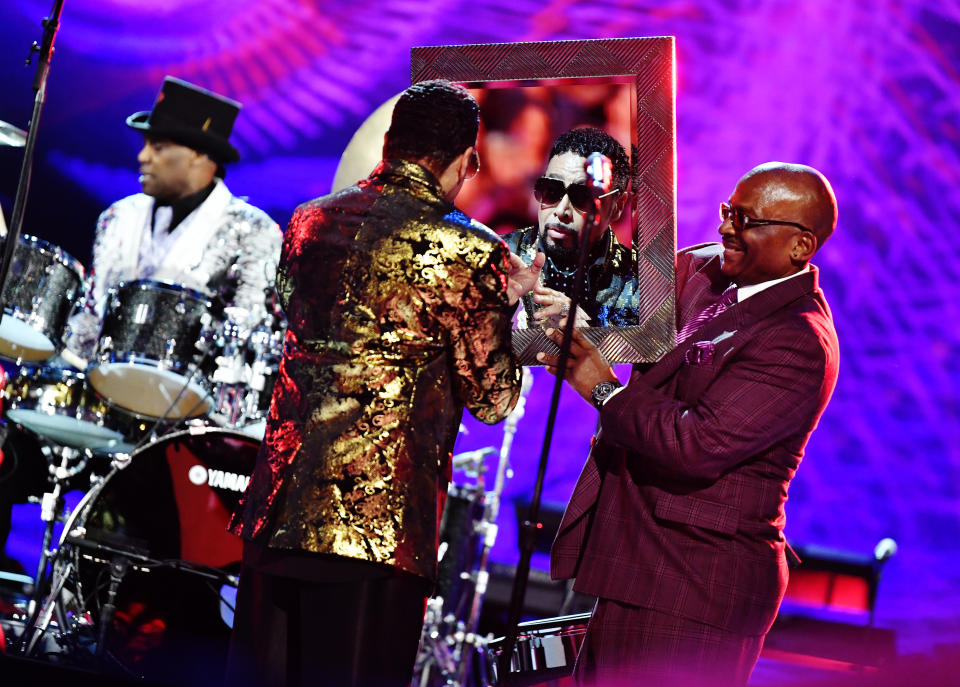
x=868, y=91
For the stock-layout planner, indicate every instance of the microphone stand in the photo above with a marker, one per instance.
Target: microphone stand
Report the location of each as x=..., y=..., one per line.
x=45, y=51
x=532, y=526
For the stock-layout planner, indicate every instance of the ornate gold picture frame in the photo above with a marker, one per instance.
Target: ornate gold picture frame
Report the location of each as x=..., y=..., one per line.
x=646, y=66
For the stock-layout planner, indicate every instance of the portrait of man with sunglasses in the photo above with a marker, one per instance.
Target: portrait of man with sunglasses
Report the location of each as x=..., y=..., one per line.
x=610, y=287
x=676, y=523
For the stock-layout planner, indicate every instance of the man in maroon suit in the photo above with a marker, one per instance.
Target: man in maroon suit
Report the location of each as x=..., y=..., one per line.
x=676, y=521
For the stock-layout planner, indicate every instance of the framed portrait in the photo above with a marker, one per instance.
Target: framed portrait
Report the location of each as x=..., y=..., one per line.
x=529, y=93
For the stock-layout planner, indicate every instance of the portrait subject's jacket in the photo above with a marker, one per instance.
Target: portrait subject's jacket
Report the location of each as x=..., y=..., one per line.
x=610, y=298
x=680, y=505
x=397, y=319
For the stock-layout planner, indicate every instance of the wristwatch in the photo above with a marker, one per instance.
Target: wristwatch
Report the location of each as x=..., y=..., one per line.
x=601, y=392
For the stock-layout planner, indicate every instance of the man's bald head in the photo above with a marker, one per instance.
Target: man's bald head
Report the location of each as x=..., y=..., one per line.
x=809, y=190
x=775, y=220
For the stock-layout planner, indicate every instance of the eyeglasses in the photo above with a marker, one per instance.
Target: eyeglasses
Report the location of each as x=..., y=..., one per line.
x=551, y=191
x=741, y=220
x=473, y=167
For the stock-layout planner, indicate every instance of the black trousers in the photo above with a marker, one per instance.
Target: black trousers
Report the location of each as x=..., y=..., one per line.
x=355, y=632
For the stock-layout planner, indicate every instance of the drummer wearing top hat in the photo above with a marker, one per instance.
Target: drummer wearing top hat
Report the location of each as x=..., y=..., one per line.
x=186, y=227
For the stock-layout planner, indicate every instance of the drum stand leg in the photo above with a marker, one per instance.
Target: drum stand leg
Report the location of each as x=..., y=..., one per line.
x=118, y=568
x=40, y=618
x=450, y=648
x=51, y=506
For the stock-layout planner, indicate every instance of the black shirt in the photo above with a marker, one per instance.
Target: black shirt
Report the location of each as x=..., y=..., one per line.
x=183, y=206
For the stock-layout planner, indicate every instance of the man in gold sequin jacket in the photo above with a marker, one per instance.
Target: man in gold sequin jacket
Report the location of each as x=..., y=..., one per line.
x=399, y=317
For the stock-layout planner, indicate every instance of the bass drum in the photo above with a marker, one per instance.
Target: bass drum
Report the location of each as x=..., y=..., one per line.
x=171, y=505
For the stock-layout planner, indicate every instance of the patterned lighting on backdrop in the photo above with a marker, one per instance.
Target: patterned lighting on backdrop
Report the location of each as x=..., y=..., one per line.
x=867, y=91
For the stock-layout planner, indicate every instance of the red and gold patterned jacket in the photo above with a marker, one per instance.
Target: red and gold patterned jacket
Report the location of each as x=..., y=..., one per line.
x=397, y=320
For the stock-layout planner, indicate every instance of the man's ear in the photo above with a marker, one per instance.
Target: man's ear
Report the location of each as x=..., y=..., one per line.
x=804, y=248
x=465, y=162
x=204, y=162
x=619, y=203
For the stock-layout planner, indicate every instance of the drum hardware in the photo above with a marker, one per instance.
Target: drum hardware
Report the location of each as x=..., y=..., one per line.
x=545, y=650
x=51, y=506
x=449, y=643
x=11, y=135
x=248, y=358
x=118, y=570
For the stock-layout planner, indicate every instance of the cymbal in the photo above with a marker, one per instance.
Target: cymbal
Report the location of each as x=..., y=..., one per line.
x=365, y=148
x=11, y=135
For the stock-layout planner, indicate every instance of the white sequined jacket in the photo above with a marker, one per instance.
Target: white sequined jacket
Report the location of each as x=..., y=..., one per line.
x=226, y=248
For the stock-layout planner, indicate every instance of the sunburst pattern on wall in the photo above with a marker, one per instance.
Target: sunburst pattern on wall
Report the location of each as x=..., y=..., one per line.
x=868, y=91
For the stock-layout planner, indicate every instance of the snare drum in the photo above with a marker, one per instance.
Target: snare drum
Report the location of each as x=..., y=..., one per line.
x=58, y=405
x=148, y=350
x=42, y=287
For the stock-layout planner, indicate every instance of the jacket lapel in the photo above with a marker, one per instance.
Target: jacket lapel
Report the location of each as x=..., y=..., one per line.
x=195, y=232
x=736, y=318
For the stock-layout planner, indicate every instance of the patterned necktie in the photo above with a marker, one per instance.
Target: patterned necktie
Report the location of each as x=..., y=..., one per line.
x=727, y=298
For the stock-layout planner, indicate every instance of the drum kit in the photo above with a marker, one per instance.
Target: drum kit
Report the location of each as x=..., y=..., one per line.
x=161, y=432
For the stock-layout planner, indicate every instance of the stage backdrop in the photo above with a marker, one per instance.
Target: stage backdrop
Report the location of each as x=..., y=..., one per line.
x=868, y=91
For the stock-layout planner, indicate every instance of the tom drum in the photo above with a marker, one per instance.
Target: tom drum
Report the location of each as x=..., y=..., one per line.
x=148, y=350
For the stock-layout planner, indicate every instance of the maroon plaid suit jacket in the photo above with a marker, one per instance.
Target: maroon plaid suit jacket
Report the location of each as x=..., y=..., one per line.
x=679, y=507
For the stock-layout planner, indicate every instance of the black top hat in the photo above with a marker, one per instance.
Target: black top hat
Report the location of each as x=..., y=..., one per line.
x=191, y=116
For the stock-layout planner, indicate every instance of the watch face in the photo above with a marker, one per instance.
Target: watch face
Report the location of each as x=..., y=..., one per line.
x=602, y=390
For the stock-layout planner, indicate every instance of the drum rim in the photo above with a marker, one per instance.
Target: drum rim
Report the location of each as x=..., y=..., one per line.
x=199, y=431
x=81, y=512
x=196, y=386
x=161, y=285
x=31, y=371
x=138, y=359
x=56, y=252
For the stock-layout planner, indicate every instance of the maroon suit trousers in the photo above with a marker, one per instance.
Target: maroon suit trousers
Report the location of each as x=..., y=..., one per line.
x=629, y=646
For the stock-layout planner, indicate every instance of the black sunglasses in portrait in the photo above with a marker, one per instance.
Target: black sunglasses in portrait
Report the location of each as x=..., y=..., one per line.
x=550, y=191
x=741, y=220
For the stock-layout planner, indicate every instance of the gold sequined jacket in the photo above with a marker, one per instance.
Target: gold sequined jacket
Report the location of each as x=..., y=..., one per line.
x=397, y=320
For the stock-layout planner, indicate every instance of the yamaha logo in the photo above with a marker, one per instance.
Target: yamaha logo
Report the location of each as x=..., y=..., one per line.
x=218, y=479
